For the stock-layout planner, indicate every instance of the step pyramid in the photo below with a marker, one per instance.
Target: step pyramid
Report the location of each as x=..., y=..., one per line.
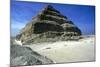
x=48, y=25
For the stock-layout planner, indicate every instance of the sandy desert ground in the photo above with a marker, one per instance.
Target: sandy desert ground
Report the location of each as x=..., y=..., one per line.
x=68, y=51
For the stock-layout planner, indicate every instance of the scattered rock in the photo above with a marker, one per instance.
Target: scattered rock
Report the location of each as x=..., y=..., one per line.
x=48, y=48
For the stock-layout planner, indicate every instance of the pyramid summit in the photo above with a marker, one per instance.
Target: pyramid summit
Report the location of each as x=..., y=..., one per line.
x=48, y=25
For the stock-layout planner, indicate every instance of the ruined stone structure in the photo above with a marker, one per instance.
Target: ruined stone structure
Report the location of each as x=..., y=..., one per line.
x=48, y=25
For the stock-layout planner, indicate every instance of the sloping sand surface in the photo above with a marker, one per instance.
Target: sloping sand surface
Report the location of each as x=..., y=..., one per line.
x=68, y=51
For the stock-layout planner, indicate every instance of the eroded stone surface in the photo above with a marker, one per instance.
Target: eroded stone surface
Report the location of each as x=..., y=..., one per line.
x=48, y=25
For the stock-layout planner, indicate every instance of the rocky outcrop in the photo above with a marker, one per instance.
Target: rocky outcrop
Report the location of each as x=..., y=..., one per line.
x=21, y=56
x=48, y=25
